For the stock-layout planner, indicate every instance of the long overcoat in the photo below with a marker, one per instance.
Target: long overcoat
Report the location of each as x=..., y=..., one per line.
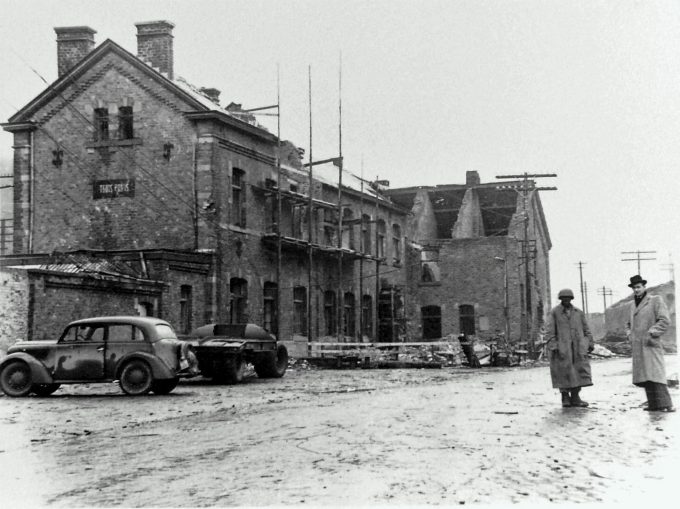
x=648, y=321
x=568, y=339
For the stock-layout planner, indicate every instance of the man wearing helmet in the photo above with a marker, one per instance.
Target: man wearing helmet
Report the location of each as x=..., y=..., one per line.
x=569, y=342
x=648, y=321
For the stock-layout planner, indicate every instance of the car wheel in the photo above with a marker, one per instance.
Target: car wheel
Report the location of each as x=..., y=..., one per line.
x=272, y=364
x=162, y=387
x=15, y=379
x=43, y=390
x=232, y=371
x=136, y=378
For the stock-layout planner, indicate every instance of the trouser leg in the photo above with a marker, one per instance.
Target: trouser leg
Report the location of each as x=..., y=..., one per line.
x=658, y=395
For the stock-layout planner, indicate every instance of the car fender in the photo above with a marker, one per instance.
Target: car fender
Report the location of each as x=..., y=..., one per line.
x=39, y=372
x=159, y=369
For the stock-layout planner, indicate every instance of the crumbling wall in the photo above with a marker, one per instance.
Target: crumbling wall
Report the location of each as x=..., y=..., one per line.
x=422, y=225
x=14, y=296
x=469, y=223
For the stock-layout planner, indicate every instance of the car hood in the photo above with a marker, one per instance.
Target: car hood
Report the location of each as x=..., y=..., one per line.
x=22, y=346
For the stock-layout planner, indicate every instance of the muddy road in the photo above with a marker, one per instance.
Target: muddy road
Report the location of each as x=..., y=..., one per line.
x=342, y=437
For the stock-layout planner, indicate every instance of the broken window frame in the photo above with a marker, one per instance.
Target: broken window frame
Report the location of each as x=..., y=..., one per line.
x=429, y=266
x=330, y=308
x=300, y=310
x=238, y=198
x=185, y=308
x=238, y=300
x=101, y=124
x=396, y=244
x=269, y=310
x=349, y=315
x=380, y=233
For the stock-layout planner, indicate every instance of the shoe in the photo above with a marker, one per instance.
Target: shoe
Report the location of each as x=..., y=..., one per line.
x=577, y=401
x=566, y=400
x=662, y=409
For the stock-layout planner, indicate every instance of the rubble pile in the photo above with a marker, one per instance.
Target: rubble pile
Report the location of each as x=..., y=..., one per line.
x=601, y=351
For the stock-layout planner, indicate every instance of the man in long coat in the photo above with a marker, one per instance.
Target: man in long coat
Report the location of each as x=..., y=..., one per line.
x=648, y=321
x=569, y=341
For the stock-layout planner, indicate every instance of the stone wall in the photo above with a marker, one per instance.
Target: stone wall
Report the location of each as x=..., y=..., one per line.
x=14, y=294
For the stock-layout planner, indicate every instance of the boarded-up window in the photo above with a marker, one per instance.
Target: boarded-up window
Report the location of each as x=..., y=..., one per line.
x=269, y=321
x=330, y=312
x=432, y=322
x=300, y=310
x=238, y=300
x=467, y=319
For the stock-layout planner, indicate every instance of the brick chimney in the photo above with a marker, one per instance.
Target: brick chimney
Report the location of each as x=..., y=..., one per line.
x=154, y=45
x=472, y=179
x=73, y=43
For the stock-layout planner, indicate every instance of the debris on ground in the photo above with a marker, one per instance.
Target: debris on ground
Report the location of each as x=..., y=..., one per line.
x=601, y=351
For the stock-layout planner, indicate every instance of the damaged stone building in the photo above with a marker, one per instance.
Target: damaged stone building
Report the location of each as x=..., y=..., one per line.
x=136, y=192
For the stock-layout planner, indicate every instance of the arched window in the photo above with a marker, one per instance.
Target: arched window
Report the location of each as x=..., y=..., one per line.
x=349, y=314
x=467, y=319
x=432, y=322
x=330, y=312
x=367, y=315
x=238, y=289
x=300, y=310
x=380, y=238
x=396, y=243
x=269, y=318
x=347, y=229
x=366, y=233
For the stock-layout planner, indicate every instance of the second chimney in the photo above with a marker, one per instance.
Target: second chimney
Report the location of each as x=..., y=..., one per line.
x=73, y=43
x=154, y=45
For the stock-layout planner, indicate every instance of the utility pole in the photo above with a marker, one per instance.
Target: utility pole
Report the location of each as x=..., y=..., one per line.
x=585, y=293
x=310, y=203
x=525, y=189
x=638, y=258
x=580, y=272
x=605, y=292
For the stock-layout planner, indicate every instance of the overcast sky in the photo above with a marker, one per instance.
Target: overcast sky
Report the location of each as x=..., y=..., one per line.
x=587, y=90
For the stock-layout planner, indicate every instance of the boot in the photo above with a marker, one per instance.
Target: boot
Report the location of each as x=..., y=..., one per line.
x=576, y=400
x=566, y=400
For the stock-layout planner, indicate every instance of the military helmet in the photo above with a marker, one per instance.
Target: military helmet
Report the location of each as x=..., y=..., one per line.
x=565, y=293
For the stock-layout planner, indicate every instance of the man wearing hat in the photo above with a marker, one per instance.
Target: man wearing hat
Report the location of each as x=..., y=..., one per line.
x=569, y=342
x=649, y=319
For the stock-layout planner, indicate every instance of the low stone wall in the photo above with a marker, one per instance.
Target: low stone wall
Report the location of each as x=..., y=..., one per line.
x=14, y=295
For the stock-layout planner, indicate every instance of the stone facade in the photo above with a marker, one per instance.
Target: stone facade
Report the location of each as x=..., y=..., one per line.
x=120, y=161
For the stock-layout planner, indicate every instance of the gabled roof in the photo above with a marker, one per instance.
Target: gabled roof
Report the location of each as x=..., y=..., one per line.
x=179, y=87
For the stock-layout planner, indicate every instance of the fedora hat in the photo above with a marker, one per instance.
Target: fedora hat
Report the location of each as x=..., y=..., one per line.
x=635, y=280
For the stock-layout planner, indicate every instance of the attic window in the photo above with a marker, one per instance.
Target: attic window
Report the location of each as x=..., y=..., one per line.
x=125, y=130
x=101, y=124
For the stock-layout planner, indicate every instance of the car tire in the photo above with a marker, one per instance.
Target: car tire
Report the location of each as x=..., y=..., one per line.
x=272, y=364
x=136, y=378
x=44, y=390
x=16, y=379
x=162, y=387
x=232, y=371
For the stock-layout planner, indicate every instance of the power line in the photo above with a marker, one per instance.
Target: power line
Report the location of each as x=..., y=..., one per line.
x=637, y=258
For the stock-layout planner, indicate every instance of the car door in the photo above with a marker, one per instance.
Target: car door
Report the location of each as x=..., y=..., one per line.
x=80, y=353
x=122, y=339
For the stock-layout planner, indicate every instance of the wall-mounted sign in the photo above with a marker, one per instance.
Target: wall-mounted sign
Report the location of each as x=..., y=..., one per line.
x=113, y=188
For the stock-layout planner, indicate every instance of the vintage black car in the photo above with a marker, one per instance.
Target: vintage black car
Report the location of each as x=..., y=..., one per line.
x=224, y=349
x=142, y=353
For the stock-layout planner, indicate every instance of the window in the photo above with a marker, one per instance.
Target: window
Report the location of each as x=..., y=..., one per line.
x=124, y=334
x=432, y=322
x=145, y=309
x=367, y=315
x=238, y=300
x=165, y=331
x=269, y=320
x=238, y=209
x=185, y=305
x=366, y=233
x=467, y=319
x=329, y=227
x=348, y=315
x=101, y=124
x=429, y=266
x=347, y=229
x=83, y=333
x=300, y=310
x=330, y=312
x=380, y=239
x=125, y=124
x=396, y=243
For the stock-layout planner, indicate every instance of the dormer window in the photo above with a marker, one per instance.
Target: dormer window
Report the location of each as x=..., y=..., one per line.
x=101, y=124
x=125, y=124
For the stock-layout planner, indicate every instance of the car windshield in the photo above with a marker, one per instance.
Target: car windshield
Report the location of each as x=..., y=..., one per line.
x=165, y=331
